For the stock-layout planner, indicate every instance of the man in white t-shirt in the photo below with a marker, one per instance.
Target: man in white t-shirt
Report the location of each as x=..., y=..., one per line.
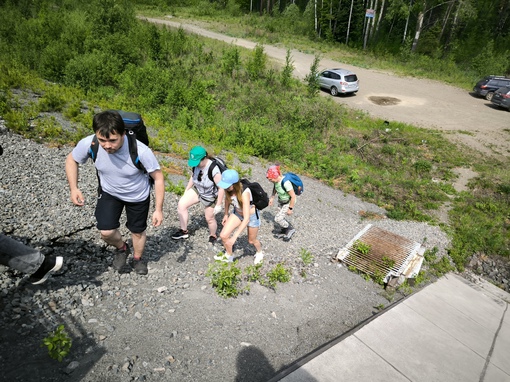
x=122, y=186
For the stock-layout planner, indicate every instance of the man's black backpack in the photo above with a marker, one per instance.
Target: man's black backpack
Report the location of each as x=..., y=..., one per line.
x=134, y=125
x=260, y=198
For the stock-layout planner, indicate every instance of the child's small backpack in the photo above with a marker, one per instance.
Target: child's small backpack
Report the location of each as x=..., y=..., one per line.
x=260, y=198
x=217, y=161
x=296, y=181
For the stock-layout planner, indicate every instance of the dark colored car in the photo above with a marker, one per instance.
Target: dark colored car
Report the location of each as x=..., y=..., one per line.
x=501, y=97
x=489, y=84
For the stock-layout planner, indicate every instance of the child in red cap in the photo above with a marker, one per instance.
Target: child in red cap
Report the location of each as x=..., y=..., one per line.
x=286, y=201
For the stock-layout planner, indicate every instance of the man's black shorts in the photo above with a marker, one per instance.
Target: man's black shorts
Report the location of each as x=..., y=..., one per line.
x=109, y=209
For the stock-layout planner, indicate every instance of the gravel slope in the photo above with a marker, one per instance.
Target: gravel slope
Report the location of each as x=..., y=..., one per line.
x=171, y=325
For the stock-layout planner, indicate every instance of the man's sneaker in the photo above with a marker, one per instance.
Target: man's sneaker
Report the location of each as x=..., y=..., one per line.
x=120, y=256
x=49, y=265
x=140, y=267
x=224, y=257
x=212, y=240
x=259, y=256
x=181, y=234
x=290, y=231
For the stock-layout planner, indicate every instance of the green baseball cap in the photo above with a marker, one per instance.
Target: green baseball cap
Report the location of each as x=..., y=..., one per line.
x=196, y=154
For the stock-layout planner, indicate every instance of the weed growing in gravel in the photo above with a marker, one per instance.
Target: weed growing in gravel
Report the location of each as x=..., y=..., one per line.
x=58, y=343
x=253, y=272
x=225, y=278
x=306, y=256
x=278, y=274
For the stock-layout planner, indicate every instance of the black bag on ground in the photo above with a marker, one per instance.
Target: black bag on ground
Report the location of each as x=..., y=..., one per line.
x=260, y=198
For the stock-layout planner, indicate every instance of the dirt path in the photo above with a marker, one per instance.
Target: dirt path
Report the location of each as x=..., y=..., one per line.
x=471, y=121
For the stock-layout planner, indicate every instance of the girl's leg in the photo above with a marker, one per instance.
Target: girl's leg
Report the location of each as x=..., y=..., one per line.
x=252, y=238
x=232, y=223
x=211, y=220
x=188, y=199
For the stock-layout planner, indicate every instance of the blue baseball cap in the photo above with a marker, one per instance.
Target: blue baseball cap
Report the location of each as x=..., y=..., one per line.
x=196, y=154
x=228, y=178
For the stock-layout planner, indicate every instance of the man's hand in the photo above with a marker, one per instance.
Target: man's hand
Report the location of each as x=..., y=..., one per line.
x=77, y=197
x=157, y=218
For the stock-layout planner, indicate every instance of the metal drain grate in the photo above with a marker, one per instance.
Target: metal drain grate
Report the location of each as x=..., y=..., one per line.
x=389, y=255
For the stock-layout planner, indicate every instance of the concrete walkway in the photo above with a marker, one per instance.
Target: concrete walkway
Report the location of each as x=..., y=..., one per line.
x=452, y=330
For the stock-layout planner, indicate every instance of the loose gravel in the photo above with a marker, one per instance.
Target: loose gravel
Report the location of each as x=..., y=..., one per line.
x=171, y=325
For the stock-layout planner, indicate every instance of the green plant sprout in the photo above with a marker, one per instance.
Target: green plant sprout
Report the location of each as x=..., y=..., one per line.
x=361, y=247
x=278, y=274
x=225, y=278
x=306, y=256
x=58, y=343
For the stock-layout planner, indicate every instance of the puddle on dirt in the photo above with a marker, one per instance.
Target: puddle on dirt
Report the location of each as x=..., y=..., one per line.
x=384, y=101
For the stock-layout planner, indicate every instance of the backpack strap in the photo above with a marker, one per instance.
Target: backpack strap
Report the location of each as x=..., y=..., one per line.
x=211, y=168
x=133, y=151
x=94, y=146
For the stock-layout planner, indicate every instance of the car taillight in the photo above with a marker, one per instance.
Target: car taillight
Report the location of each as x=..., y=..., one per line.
x=343, y=83
x=507, y=95
x=483, y=87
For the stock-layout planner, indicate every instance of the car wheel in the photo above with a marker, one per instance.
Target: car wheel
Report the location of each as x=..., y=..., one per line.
x=333, y=91
x=489, y=95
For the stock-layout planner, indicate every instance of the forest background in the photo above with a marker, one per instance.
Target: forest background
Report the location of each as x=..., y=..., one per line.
x=80, y=57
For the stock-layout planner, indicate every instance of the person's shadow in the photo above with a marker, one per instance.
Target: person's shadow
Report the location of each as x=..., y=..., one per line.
x=253, y=366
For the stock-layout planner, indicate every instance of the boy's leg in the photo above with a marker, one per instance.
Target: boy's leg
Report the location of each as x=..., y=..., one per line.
x=108, y=211
x=137, y=214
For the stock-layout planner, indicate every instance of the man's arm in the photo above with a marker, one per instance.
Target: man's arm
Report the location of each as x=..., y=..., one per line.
x=159, y=192
x=72, y=179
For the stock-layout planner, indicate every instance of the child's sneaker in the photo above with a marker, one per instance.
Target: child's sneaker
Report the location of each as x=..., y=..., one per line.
x=181, y=234
x=281, y=234
x=49, y=265
x=290, y=231
x=212, y=240
x=259, y=256
x=224, y=257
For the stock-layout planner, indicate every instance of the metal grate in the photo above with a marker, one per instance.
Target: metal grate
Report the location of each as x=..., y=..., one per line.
x=388, y=256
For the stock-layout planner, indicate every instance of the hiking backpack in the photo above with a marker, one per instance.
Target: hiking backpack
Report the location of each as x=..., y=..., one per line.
x=260, y=198
x=217, y=161
x=134, y=125
x=296, y=181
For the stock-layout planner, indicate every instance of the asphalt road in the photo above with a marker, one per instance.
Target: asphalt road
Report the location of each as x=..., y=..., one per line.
x=466, y=119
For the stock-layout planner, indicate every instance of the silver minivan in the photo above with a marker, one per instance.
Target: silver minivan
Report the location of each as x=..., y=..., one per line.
x=338, y=81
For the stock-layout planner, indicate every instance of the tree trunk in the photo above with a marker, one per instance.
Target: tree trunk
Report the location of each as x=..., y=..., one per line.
x=379, y=18
x=407, y=21
x=349, y=23
x=419, y=26
x=336, y=18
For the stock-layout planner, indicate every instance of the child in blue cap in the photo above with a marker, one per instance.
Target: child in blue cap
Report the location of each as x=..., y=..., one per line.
x=244, y=214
